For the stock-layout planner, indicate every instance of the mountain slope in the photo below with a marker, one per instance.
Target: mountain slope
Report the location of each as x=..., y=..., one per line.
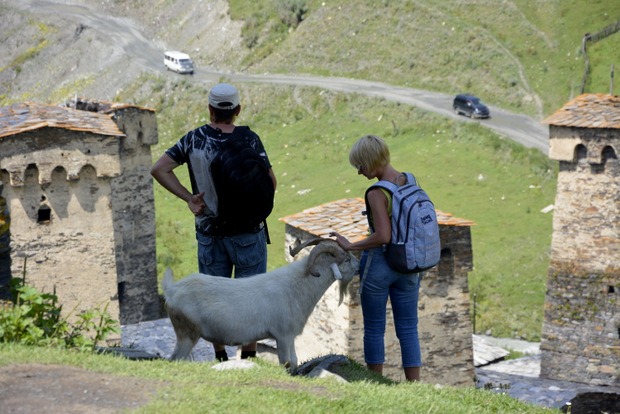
x=519, y=54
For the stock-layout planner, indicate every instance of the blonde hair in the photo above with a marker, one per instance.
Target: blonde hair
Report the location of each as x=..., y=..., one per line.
x=369, y=152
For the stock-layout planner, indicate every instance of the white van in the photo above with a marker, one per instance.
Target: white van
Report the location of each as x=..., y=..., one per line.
x=178, y=62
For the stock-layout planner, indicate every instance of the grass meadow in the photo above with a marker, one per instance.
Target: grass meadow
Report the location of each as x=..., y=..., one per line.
x=467, y=170
x=189, y=387
x=524, y=56
x=520, y=57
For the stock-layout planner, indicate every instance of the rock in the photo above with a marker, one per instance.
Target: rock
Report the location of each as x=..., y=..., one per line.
x=129, y=353
x=235, y=364
x=485, y=352
x=319, y=372
x=593, y=403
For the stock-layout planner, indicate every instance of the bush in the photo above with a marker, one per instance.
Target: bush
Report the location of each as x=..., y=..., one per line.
x=291, y=12
x=35, y=318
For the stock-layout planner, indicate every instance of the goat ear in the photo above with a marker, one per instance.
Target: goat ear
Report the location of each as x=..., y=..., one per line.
x=327, y=246
x=337, y=274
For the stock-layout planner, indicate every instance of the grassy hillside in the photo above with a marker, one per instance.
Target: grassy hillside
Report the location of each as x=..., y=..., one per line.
x=523, y=56
x=519, y=57
x=160, y=386
x=467, y=170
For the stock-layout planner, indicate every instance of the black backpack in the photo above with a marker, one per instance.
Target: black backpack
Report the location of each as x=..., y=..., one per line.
x=243, y=185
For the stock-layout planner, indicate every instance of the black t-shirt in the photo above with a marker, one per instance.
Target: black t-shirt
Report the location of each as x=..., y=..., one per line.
x=198, y=148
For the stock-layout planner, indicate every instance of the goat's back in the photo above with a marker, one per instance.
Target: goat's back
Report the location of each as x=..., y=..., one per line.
x=209, y=290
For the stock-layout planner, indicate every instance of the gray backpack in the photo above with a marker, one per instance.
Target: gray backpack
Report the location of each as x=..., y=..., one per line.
x=414, y=245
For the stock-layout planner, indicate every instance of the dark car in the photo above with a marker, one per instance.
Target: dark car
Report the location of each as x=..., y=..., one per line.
x=471, y=106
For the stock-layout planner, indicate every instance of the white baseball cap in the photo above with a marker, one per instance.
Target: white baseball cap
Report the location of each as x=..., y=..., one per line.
x=224, y=96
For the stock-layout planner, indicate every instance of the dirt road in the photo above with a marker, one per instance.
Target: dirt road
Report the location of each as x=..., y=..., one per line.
x=128, y=38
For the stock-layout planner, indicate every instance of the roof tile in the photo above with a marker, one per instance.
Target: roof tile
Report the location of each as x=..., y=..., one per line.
x=27, y=116
x=592, y=110
x=345, y=217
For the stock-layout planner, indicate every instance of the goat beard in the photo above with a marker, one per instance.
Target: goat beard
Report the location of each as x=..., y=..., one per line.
x=344, y=290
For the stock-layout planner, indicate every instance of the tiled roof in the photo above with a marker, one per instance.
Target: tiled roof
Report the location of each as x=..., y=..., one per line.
x=93, y=105
x=345, y=217
x=592, y=110
x=28, y=116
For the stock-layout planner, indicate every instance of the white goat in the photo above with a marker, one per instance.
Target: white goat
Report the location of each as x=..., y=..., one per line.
x=275, y=304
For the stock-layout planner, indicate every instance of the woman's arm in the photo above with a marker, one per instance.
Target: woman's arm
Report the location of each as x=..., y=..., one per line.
x=378, y=203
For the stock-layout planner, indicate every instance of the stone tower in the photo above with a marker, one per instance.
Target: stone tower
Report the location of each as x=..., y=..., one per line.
x=77, y=185
x=580, y=337
x=444, y=325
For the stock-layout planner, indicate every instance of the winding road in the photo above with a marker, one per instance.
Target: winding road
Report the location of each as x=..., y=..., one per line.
x=128, y=36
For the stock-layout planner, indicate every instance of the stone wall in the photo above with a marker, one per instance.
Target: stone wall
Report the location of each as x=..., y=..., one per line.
x=133, y=212
x=82, y=214
x=581, y=331
x=443, y=310
x=581, y=327
x=586, y=227
x=61, y=228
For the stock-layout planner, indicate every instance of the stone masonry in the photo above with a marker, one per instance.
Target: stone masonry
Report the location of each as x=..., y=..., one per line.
x=444, y=319
x=76, y=181
x=581, y=330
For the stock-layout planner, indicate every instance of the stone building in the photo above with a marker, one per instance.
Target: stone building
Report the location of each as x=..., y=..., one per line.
x=580, y=337
x=76, y=182
x=444, y=320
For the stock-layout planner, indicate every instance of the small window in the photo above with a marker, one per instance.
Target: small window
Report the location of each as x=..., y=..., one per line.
x=581, y=152
x=609, y=154
x=44, y=215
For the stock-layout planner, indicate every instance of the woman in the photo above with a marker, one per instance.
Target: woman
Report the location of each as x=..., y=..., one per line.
x=371, y=156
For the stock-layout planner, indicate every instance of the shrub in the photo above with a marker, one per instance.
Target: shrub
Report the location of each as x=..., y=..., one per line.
x=35, y=318
x=291, y=12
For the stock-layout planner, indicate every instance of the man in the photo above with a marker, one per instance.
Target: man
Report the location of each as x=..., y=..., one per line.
x=219, y=249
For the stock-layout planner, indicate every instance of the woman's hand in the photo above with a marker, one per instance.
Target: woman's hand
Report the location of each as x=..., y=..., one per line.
x=341, y=240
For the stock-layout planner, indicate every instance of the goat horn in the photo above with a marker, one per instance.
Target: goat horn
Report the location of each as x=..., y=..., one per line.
x=337, y=274
x=300, y=247
x=331, y=248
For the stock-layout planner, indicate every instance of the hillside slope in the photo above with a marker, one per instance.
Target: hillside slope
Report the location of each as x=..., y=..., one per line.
x=49, y=52
x=523, y=56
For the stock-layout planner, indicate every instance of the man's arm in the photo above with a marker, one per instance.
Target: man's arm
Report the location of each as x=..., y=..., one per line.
x=163, y=172
x=273, y=178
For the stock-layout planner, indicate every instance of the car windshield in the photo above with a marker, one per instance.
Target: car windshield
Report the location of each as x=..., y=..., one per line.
x=185, y=61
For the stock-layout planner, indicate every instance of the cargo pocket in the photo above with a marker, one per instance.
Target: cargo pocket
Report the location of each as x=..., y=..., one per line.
x=250, y=249
x=205, y=250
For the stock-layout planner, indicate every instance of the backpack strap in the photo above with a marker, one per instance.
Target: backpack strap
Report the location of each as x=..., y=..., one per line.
x=365, y=272
x=390, y=188
x=409, y=179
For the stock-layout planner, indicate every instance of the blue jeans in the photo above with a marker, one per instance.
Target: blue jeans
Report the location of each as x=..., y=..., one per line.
x=247, y=252
x=380, y=282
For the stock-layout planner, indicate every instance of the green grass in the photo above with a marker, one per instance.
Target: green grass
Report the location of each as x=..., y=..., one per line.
x=467, y=170
x=188, y=387
x=523, y=56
